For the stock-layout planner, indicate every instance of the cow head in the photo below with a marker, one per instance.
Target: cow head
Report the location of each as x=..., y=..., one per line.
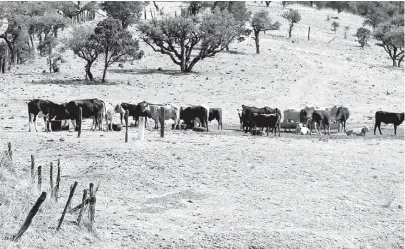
x=118, y=109
x=144, y=107
x=365, y=129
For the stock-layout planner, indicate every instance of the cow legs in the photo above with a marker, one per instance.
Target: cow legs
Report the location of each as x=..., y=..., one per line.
x=379, y=128
x=35, y=123
x=395, y=129
x=29, y=122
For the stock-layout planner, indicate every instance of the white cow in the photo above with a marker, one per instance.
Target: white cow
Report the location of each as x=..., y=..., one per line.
x=171, y=112
x=301, y=129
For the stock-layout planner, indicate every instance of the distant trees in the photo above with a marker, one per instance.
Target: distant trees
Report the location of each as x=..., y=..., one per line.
x=187, y=39
x=261, y=22
x=116, y=43
x=335, y=26
x=292, y=16
x=128, y=12
x=363, y=35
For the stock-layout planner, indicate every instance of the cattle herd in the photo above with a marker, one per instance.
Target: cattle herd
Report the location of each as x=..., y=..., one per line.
x=251, y=118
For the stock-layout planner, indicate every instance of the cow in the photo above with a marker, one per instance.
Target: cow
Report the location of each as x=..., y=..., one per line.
x=248, y=111
x=215, y=113
x=109, y=114
x=358, y=131
x=45, y=109
x=301, y=129
x=133, y=111
x=342, y=115
x=91, y=108
x=318, y=117
x=153, y=111
x=388, y=118
x=306, y=114
x=267, y=121
x=189, y=114
x=240, y=118
x=291, y=116
x=333, y=111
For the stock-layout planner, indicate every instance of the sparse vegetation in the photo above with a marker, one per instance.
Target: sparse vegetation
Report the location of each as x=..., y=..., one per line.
x=293, y=17
x=363, y=35
x=261, y=22
x=335, y=26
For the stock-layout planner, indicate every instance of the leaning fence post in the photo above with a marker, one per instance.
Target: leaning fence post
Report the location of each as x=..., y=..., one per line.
x=56, y=192
x=72, y=191
x=79, y=131
x=51, y=179
x=10, y=152
x=30, y=216
x=126, y=124
x=32, y=168
x=162, y=121
x=79, y=219
x=39, y=178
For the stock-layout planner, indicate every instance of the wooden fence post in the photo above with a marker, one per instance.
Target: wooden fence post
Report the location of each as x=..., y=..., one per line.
x=10, y=152
x=92, y=208
x=39, y=179
x=30, y=216
x=51, y=179
x=126, y=124
x=79, y=219
x=79, y=130
x=309, y=31
x=162, y=122
x=72, y=191
x=141, y=129
x=70, y=204
x=56, y=192
x=32, y=168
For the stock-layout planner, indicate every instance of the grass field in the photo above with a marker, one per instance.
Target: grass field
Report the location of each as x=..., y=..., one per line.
x=221, y=189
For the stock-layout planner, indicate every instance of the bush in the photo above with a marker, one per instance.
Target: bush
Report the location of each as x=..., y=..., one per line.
x=363, y=35
x=335, y=25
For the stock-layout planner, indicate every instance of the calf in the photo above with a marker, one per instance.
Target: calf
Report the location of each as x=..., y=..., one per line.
x=91, y=108
x=248, y=111
x=268, y=121
x=318, y=117
x=215, y=113
x=388, y=118
x=301, y=129
x=342, y=115
x=189, y=114
x=358, y=131
x=45, y=109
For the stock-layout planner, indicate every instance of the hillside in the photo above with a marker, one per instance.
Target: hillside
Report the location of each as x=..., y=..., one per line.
x=222, y=189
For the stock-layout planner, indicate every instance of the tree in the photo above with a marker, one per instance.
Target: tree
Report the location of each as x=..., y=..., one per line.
x=117, y=43
x=84, y=43
x=261, y=21
x=335, y=25
x=195, y=7
x=47, y=45
x=267, y=3
x=292, y=16
x=339, y=6
x=128, y=12
x=390, y=35
x=179, y=36
x=363, y=35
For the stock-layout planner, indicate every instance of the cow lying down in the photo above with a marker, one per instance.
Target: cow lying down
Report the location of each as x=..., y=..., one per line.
x=358, y=131
x=301, y=129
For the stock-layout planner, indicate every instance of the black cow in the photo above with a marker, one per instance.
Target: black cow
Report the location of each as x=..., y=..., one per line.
x=189, y=114
x=342, y=115
x=215, y=113
x=306, y=114
x=45, y=109
x=318, y=117
x=388, y=118
x=133, y=111
x=91, y=108
x=247, y=112
x=267, y=121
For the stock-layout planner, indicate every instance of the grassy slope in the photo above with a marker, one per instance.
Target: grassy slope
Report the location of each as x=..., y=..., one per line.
x=215, y=190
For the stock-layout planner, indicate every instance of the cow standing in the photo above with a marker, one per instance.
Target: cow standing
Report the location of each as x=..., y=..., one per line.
x=215, y=113
x=320, y=117
x=91, y=108
x=388, y=118
x=153, y=111
x=45, y=109
x=267, y=121
x=342, y=116
x=133, y=111
x=247, y=115
x=191, y=113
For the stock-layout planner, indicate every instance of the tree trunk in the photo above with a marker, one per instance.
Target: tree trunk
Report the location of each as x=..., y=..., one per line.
x=88, y=72
x=290, y=31
x=394, y=61
x=257, y=42
x=32, y=40
x=105, y=65
x=400, y=60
